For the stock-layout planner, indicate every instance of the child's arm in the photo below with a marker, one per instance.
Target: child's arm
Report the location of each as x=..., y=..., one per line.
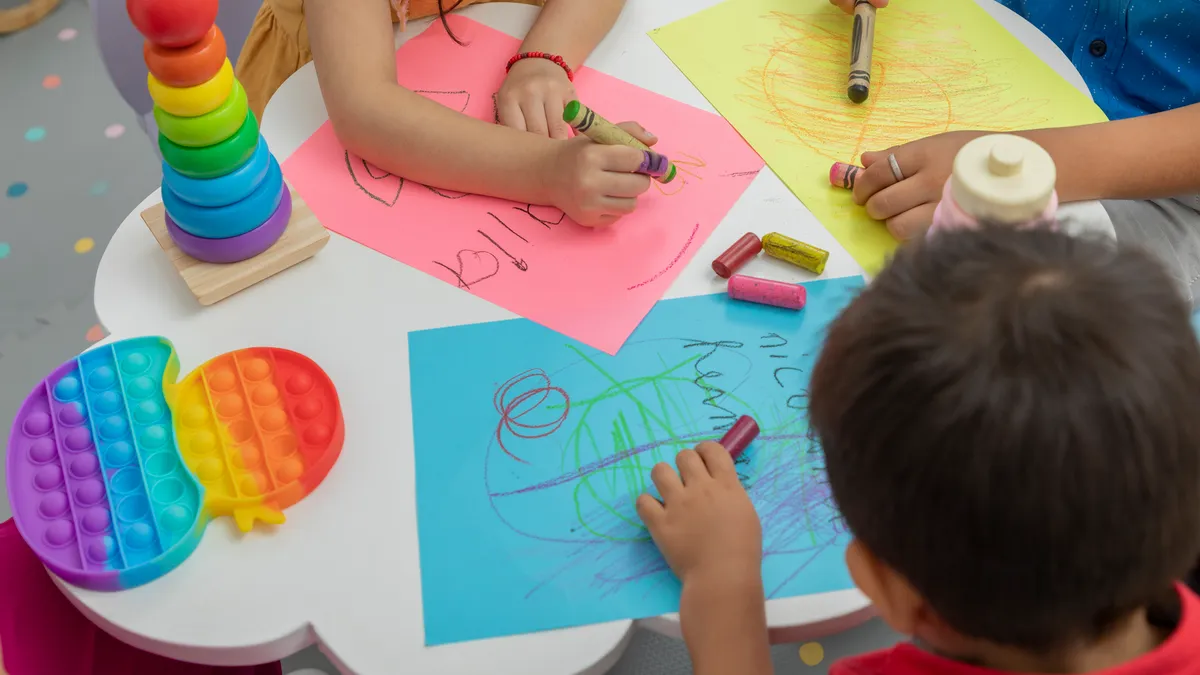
x=536, y=90
x=1138, y=158
x=411, y=136
x=709, y=534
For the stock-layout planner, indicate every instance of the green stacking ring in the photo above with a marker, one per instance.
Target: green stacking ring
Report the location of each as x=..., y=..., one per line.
x=208, y=129
x=214, y=160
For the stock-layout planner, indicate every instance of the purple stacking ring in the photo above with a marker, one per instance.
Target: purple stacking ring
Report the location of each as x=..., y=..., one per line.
x=241, y=247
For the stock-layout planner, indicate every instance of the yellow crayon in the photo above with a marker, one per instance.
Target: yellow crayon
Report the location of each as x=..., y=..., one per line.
x=797, y=253
x=584, y=120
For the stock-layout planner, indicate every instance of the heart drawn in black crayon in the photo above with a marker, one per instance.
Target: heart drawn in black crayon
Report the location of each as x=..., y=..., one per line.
x=473, y=267
x=374, y=182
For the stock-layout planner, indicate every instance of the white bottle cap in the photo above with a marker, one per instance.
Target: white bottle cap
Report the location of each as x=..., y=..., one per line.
x=1003, y=178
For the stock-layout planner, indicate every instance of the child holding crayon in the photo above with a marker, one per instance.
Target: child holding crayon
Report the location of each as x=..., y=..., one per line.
x=351, y=44
x=1020, y=472
x=1141, y=61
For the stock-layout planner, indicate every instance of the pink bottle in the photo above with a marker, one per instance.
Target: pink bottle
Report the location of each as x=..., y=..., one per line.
x=999, y=178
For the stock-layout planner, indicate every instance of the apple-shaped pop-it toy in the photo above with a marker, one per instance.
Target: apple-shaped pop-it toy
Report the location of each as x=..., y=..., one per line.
x=115, y=470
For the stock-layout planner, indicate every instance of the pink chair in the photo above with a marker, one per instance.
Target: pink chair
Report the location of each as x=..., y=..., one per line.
x=121, y=50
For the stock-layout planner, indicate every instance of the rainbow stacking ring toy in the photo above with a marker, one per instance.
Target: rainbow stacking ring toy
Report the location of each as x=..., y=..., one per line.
x=223, y=191
x=236, y=248
x=115, y=469
x=220, y=222
x=209, y=128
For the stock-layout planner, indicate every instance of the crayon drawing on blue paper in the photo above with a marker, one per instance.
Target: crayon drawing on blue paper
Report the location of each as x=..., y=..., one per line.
x=531, y=449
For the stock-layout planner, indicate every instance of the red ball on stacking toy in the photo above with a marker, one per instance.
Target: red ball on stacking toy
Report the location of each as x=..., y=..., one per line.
x=172, y=23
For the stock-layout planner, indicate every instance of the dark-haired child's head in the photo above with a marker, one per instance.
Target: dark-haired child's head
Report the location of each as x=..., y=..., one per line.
x=1011, y=426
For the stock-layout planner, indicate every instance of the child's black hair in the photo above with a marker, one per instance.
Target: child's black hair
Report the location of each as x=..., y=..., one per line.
x=1011, y=421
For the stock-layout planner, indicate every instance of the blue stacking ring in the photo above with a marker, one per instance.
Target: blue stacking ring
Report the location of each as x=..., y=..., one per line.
x=224, y=190
x=222, y=222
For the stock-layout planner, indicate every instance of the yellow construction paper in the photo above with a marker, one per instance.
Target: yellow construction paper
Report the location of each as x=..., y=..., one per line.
x=777, y=69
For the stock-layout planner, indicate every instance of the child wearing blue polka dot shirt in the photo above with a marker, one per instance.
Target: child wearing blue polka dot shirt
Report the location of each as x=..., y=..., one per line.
x=1141, y=61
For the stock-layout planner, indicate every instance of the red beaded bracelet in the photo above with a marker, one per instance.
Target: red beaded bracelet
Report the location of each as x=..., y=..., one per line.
x=553, y=58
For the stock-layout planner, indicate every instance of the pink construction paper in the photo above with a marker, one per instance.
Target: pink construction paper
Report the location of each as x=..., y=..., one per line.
x=594, y=285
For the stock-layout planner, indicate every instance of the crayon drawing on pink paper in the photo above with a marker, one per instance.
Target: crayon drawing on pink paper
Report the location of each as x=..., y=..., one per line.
x=593, y=285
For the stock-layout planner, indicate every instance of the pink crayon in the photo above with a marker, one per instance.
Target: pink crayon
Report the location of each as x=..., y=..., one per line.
x=767, y=292
x=740, y=435
x=843, y=175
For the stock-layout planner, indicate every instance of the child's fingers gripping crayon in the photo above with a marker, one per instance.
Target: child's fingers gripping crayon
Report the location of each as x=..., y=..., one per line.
x=843, y=175
x=584, y=120
x=862, y=43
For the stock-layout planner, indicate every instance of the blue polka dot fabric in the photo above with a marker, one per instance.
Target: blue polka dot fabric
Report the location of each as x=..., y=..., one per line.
x=1137, y=56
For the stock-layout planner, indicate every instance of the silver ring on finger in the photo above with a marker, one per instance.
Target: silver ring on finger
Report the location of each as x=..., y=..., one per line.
x=896, y=172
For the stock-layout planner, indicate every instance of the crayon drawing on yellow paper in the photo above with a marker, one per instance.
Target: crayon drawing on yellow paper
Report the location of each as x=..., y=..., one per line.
x=777, y=69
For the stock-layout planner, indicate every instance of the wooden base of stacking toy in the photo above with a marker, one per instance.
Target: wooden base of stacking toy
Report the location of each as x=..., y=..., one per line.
x=212, y=283
x=16, y=15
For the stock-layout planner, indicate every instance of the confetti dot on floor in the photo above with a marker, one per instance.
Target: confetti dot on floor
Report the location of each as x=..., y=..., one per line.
x=95, y=333
x=51, y=81
x=17, y=189
x=812, y=653
x=114, y=130
x=98, y=188
x=67, y=34
x=4, y=250
x=35, y=134
x=84, y=245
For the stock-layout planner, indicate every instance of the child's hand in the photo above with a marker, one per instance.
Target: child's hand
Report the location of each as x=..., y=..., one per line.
x=595, y=184
x=533, y=96
x=847, y=6
x=705, y=526
x=907, y=206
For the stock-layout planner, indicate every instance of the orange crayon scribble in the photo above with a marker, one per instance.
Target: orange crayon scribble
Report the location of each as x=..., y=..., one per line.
x=927, y=81
x=688, y=166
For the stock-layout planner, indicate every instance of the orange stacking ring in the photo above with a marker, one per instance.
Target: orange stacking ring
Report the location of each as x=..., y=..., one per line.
x=187, y=66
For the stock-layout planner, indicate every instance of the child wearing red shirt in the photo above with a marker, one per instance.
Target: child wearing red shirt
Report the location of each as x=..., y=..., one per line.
x=1010, y=431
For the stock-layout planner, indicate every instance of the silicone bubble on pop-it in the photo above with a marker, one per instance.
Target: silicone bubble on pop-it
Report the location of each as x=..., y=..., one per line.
x=112, y=483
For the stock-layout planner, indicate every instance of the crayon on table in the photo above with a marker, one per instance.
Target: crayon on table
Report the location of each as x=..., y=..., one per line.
x=584, y=120
x=742, y=252
x=740, y=435
x=767, y=292
x=843, y=175
x=862, y=43
x=796, y=252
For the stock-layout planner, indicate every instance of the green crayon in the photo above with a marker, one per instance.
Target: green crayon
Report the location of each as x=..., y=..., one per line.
x=584, y=120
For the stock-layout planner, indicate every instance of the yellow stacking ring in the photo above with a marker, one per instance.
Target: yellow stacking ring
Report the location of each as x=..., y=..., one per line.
x=208, y=129
x=193, y=101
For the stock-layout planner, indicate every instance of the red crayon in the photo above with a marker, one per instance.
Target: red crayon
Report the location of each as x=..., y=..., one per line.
x=742, y=252
x=740, y=435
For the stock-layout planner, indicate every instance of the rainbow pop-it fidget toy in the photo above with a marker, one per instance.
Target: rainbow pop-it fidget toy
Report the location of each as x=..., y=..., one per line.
x=115, y=470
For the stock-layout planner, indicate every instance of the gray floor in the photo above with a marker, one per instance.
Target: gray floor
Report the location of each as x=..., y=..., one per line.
x=67, y=175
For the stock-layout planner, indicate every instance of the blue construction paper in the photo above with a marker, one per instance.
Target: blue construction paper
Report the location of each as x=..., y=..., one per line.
x=531, y=449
